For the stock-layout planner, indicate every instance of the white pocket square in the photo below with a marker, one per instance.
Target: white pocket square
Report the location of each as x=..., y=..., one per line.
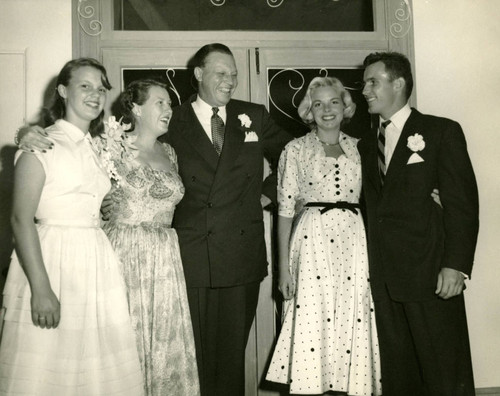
x=251, y=137
x=414, y=159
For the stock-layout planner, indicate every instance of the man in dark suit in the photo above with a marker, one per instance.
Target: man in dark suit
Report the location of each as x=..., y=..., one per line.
x=220, y=145
x=420, y=252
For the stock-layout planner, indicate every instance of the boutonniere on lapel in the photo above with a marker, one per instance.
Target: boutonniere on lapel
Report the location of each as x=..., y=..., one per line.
x=246, y=122
x=415, y=143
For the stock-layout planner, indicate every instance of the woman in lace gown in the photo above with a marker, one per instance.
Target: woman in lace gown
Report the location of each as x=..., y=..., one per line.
x=328, y=341
x=140, y=231
x=67, y=329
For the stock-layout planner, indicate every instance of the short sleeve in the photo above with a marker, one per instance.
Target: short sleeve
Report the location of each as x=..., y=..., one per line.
x=171, y=155
x=44, y=158
x=288, y=186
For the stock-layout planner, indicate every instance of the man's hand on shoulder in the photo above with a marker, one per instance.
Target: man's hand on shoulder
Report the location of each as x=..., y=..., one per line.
x=450, y=283
x=33, y=138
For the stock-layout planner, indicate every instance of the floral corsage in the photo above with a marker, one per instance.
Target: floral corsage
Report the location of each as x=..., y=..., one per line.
x=415, y=143
x=246, y=122
x=114, y=145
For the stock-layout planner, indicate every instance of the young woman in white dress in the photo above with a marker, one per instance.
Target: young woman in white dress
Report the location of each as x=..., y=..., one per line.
x=66, y=329
x=328, y=341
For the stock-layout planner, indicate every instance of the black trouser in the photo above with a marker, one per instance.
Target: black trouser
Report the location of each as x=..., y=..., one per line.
x=222, y=318
x=424, y=348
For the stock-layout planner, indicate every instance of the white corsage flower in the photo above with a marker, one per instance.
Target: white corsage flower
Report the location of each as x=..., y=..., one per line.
x=245, y=120
x=251, y=136
x=114, y=145
x=416, y=143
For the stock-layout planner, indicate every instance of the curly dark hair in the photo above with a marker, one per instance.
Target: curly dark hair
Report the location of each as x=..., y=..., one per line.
x=136, y=92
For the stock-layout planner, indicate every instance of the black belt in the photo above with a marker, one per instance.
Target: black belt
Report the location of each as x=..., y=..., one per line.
x=335, y=205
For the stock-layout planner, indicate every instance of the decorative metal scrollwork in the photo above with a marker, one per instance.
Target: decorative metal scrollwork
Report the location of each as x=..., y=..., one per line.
x=275, y=3
x=172, y=85
x=270, y=3
x=294, y=88
x=403, y=15
x=92, y=27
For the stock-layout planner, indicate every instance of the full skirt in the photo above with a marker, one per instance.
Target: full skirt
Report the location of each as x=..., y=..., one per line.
x=92, y=351
x=328, y=340
x=159, y=309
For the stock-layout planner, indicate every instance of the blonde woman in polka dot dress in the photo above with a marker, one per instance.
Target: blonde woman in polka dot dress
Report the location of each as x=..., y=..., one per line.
x=328, y=341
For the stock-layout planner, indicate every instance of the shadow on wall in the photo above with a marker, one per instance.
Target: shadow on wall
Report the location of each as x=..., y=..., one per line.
x=7, y=154
x=6, y=186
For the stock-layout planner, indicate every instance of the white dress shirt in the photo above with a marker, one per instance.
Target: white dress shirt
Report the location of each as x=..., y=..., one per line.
x=204, y=113
x=393, y=131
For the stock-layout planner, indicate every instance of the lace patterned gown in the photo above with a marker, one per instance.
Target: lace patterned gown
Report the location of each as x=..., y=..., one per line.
x=328, y=340
x=92, y=351
x=140, y=231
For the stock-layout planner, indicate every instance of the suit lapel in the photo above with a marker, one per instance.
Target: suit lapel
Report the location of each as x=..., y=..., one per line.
x=233, y=141
x=369, y=152
x=234, y=137
x=195, y=136
x=402, y=152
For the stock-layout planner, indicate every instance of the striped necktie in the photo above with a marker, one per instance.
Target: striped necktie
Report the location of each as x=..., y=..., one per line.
x=217, y=126
x=382, y=166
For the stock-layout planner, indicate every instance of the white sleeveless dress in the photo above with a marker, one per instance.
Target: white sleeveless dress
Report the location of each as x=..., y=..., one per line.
x=93, y=350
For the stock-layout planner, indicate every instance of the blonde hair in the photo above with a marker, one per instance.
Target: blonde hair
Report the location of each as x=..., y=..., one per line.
x=304, y=109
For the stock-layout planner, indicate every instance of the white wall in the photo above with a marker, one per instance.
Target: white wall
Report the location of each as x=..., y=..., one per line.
x=41, y=29
x=457, y=55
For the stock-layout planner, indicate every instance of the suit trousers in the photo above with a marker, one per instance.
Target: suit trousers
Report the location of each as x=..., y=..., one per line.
x=424, y=347
x=222, y=318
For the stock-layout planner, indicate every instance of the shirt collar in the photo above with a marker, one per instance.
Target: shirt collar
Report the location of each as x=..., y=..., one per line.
x=400, y=117
x=75, y=133
x=206, y=110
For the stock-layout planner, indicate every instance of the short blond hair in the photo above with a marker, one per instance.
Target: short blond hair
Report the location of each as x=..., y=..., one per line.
x=305, y=105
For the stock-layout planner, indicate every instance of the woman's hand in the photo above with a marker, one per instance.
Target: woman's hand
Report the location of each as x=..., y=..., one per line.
x=286, y=285
x=45, y=309
x=33, y=138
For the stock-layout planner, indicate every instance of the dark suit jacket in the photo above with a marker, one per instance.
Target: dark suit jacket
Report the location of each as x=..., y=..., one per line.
x=410, y=236
x=219, y=221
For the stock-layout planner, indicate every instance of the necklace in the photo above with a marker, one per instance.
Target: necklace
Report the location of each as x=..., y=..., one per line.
x=328, y=144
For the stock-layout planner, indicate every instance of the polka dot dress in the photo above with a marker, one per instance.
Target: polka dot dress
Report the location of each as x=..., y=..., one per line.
x=328, y=340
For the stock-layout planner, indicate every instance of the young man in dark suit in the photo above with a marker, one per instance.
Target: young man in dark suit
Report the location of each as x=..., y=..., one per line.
x=420, y=252
x=220, y=145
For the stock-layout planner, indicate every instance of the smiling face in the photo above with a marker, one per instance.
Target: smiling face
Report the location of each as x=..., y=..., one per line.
x=327, y=108
x=155, y=113
x=384, y=97
x=84, y=96
x=218, y=79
